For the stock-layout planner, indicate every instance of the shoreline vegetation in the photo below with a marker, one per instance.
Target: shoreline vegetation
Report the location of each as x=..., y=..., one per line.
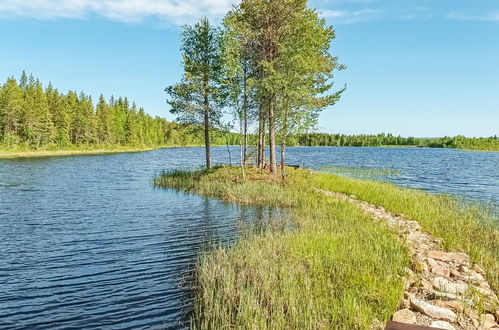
x=43, y=121
x=337, y=267
x=9, y=153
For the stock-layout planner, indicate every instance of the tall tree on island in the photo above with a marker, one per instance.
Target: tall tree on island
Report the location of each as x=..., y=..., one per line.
x=304, y=75
x=197, y=98
x=289, y=46
x=238, y=78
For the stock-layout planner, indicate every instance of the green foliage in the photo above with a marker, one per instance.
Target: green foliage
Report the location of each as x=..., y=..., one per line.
x=340, y=140
x=197, y=99
x=199, y=87
x=35, y=118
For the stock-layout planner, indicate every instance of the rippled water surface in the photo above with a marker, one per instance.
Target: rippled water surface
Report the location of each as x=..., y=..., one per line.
x=87, y=242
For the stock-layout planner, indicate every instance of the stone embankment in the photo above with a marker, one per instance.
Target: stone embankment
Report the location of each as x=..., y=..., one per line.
x=442, y=289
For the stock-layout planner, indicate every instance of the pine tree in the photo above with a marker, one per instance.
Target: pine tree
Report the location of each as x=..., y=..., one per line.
x=197, y=98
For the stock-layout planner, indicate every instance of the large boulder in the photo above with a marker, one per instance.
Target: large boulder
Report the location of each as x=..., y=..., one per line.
x=435, y=312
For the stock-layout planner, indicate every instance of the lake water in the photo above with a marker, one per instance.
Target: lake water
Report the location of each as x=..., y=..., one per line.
x=87, y=242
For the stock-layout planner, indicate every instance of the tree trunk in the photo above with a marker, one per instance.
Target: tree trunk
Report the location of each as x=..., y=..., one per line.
x=207, y=128
x=273, y=162
x=242, y=157
x=283, y=159
x=245, y=120
x=261, y=138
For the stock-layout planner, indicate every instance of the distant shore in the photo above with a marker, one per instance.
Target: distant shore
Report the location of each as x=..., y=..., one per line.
x=9, y=154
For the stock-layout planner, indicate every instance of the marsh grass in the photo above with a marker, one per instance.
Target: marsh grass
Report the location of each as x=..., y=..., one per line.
x=51, y=151
x=337, y=268
x=361, y=172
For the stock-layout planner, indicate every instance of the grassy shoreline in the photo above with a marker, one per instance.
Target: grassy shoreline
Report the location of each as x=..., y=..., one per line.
x=338, y=268
x=100, y=150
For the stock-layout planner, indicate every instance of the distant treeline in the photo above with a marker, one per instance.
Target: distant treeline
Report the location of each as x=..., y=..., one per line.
x=339, y=140
x=34, y=117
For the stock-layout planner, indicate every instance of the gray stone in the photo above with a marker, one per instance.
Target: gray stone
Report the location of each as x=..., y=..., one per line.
x=442, y=325
x=445, y=285
x=456, y=257
x=432, y=311
x=487, y=321
x=405, y=316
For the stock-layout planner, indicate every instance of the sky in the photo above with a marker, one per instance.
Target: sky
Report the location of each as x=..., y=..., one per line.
x=423, y=68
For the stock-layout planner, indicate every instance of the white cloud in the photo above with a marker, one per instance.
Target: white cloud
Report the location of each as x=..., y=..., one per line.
x=178, y=11
x=493, y=16
x=349, y=16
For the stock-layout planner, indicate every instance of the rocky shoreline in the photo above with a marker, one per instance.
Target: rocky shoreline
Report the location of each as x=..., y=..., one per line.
x=443, y=290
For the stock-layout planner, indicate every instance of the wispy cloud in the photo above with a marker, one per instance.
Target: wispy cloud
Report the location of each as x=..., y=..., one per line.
x=492, y=16
x=186, y=11
x=350, y=16
x=177, y=11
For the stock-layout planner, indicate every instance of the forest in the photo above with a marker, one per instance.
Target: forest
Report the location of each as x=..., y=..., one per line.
x=33, y=117
x=380, y=140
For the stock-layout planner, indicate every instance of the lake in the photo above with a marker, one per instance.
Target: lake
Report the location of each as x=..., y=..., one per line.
x=87, y=242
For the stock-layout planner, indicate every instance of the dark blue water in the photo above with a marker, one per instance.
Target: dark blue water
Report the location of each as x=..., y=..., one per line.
x=87, y=242
x=471, y=175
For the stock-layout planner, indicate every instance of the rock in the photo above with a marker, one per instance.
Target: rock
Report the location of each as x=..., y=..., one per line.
x=425, y=284
x=496, y=313
x=442, y=325
x=474, y=277
x=432, y=311
x=405, y=316
x=414, y=225
x=485, y=292
x=464, y=269
x=438, y=294
x=445, y=285
x=441, y=271
x=408, y=295
x=455, y=305
x=438, y=268
x=487, y=321
x=407, y=283
x=419, y=265
x=478, y=269
x=404, y=304
x=456, y=257
x=455, y=273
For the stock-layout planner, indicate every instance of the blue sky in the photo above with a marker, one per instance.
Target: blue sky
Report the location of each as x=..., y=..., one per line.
x=420, y=68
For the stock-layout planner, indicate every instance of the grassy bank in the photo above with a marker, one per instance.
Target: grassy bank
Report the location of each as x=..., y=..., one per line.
x=338, y=268
x=465, y=228
x=324, y=272
x=77, y=150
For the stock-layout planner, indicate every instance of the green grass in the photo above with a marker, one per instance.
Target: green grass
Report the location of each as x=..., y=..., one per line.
x=462, y=227
x=75, y=150
x=365, y=173
x=338, y=269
